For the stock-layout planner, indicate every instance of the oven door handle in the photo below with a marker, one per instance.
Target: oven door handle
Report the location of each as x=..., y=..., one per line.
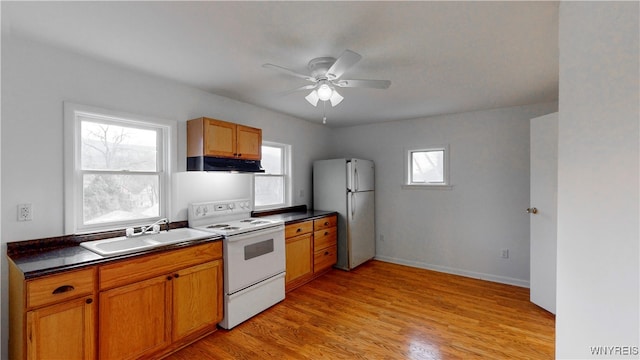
x=253, y=234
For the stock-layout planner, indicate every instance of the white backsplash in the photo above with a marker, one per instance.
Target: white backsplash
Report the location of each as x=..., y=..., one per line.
x=196, y=186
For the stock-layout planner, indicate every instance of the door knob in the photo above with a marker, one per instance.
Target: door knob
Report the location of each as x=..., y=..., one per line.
x=532, y=210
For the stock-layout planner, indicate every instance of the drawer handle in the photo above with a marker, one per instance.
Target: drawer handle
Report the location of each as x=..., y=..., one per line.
x=299, y=229
x=326, y=253
x=89, y=301
x=326, y=223
x=326, y=233
x=63, y=289
x=176, y=275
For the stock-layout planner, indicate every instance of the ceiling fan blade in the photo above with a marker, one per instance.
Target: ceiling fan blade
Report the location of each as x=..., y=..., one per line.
x=376, y=84
x=288, y=71
x=313, y=98
x=346, y=60
x=305, y=87
x=335, y=98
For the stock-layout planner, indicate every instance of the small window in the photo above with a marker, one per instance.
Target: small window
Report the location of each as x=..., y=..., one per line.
x=272, y=186
x=427, y=167
x=117, y=173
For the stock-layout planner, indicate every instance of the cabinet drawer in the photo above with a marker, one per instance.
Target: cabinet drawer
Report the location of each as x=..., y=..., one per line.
x=324, y=223
x=298, y=229
x=324, y=259
x=324, y=238
x=145, y=267
x=59, y=287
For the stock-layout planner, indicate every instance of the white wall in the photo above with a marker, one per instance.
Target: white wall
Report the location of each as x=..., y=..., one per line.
x=36, y=79
x=598, y=299
x=463, y=229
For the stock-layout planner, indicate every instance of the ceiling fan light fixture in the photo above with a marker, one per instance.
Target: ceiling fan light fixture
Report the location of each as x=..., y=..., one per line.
x=325, y=92
x=313, y=98
x=335, y=98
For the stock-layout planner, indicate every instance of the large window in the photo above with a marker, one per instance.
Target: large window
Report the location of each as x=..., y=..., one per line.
x=272, y=186
x=427, y=167
x=117, y=169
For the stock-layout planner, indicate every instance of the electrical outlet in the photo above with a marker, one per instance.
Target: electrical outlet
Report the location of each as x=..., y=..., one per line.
x=504, y=253
x=25, y=213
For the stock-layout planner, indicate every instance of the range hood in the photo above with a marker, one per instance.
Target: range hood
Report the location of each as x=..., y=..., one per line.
x=207, y=163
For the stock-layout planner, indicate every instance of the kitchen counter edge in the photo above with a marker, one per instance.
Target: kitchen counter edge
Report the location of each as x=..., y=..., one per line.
x=293, y=215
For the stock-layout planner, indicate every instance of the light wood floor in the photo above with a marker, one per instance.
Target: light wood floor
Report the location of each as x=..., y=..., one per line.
x=387, y=311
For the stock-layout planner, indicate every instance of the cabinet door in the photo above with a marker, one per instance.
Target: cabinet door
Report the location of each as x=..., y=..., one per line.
x=197, y=298
x=299, y=255
x=134, y=319
x=219, y=138
x=62, y=331
x=249, y=145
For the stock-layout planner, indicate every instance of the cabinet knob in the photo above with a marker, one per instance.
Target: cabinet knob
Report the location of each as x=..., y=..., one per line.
x=298, y=230
x=89, y=301
x=239, y=155
x=326, y=253
x=169, y=278
x=176, y=275
x=326, y=223
x=326, y=233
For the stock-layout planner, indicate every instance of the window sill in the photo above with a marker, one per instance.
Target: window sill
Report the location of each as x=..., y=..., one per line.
x=427, y=187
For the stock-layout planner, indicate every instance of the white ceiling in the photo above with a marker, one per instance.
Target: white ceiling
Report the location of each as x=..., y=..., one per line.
x=441, y=57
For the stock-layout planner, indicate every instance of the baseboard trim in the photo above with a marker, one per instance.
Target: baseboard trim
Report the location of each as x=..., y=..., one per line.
x=454, y=271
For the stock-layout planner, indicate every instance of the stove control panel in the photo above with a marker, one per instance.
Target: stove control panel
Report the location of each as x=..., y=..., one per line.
x=219, y=208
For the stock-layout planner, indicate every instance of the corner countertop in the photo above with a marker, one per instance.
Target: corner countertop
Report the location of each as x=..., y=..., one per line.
x=42, y=257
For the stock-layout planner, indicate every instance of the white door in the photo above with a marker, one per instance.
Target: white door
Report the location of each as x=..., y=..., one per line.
x=543, y=210
x=361, y=235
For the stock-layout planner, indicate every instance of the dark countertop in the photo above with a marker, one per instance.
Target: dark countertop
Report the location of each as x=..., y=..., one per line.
x=54, y=260
x=52, y=255
x=292, y=217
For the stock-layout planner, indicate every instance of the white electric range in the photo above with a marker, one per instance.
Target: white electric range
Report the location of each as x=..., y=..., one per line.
x=254, y=256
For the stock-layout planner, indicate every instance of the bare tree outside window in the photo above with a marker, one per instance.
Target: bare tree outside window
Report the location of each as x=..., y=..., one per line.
x=119, y=166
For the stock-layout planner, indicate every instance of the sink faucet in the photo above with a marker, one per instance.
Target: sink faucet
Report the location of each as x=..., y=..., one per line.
x=155, y=228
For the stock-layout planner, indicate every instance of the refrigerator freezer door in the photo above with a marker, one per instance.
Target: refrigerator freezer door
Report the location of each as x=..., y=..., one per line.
x=361, y=238
x=361, y=174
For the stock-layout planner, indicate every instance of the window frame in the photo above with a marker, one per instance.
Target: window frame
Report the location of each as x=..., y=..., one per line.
x=408, y=168
x=287, y=179
x=73, y=194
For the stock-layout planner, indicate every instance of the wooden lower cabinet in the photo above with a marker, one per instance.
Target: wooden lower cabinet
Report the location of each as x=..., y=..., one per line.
x=153, y=317
x=134, y=319
x=196, y=299
x=143, y=307
x=54, y=316
x=299, y=257
x=311, y=250
x=62, y=331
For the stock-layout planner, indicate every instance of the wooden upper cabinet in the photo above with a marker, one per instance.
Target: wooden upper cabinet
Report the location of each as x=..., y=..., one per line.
x=249, y=144
x=217, y=138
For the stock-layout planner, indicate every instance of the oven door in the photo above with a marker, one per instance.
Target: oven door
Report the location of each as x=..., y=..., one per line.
x=253, y=257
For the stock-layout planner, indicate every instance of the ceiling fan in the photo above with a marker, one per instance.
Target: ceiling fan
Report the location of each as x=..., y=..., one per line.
x=325, y=73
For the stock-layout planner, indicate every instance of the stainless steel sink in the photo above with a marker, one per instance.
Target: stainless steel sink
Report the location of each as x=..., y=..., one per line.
x=125, y=245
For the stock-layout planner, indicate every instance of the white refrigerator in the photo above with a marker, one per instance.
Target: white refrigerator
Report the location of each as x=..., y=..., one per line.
x=347, y=187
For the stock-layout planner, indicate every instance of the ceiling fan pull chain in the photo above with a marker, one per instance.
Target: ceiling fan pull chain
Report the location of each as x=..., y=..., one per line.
x=324, y=112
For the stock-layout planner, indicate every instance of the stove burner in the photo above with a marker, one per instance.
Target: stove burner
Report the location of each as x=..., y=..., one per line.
x=247, y=220
x=231, y=228
x=217, y=226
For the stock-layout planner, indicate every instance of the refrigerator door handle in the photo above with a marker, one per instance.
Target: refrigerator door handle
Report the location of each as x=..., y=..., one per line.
x=356, y=179
x=353, y=204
